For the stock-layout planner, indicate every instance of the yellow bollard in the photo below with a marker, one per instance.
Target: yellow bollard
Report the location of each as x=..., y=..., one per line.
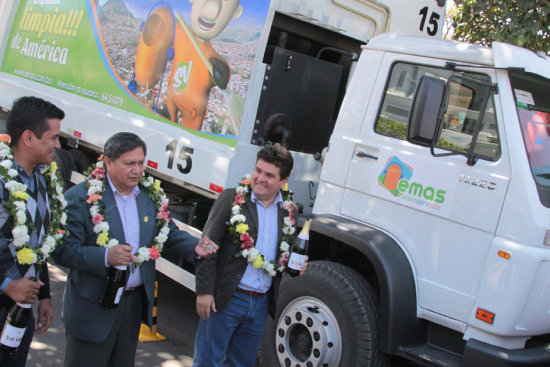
x=147, y=334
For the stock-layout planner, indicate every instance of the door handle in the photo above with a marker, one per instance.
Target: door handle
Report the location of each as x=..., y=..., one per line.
x=361, y=154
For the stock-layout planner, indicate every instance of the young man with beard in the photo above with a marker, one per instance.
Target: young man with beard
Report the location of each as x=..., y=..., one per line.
x=254, y=225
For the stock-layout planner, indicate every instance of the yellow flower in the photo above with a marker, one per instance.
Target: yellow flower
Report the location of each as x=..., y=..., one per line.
x=156, y=186
x=285, y=187
x=25, y=256
x=102, y=238
x=53, y=167
x=258, y=262
x=241, y=228
x=20, y=195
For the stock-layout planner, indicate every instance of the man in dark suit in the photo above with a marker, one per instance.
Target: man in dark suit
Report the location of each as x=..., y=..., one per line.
x=97, y=336
x=254, y=224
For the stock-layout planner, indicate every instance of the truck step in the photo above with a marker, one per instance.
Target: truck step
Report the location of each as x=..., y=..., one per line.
x=429, y=356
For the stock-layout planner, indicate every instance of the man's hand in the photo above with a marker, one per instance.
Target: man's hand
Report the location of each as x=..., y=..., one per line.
x=23, y=290
x=303, y=267
x=205, y=247
x=205, y=302
x=45, y=316
x=119, y=255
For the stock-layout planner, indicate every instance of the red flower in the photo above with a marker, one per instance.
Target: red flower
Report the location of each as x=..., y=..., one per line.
x=154, y=253
x=60, y=231
x=247, y=241
x=239, y=199
x=97, y=219
x=99, y=173
x=245, y=182
x=94, y=197
x=164, y=215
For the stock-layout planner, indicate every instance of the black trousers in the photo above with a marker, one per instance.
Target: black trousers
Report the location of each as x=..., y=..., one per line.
x=119, y=349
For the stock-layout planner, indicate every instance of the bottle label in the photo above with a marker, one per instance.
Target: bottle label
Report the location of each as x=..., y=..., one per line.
x=296, y=260
x=11, y=337
x=118, y=295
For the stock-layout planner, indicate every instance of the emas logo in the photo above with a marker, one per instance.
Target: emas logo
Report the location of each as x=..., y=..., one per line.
x=394, y=172
x=396, y=177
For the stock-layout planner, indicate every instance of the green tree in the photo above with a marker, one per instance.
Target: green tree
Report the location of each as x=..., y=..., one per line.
x=524, y=23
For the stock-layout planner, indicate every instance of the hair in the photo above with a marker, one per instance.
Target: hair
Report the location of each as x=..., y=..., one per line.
x=279, y=156
x=121, y=143
x=30, y=113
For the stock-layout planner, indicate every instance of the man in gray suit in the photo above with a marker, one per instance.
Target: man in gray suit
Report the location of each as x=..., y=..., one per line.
x=122, y=208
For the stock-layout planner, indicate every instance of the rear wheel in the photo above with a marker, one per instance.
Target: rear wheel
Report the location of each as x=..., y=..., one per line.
x=326, y=317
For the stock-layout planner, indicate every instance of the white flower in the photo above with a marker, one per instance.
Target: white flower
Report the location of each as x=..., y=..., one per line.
x=165, y=230
x=15, y=186
x=62, y=201
x=21, y=217
x=161, y=238
x=289, y=230
x=269, y=267
x=237, y=218
x=13, y=173
x=94, y=190
x=147, y=181
x=94, y=210
x=287, y=221
x=20, y=205
x=254, y=253
x=141, y=255
x=7, y=164
x=63, y=219
x=58, y=236
x=101, y=227
x=245, y=252
x=20, y=235
x=236, y=209
x=112, y=242
x=58, y=189
x=242, y=189
x=284, y=246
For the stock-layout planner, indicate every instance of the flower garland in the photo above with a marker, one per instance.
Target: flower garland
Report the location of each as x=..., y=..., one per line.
x=239, y=229
x=95, y=183
x=16, y=204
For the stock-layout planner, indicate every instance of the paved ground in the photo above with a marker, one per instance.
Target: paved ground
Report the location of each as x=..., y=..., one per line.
x=179, y=327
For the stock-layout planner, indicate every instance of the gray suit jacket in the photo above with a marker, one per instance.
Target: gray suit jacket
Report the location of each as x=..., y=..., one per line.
x=84, y=317
x=221, y=273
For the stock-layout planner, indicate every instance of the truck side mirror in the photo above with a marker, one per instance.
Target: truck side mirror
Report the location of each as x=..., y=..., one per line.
x=423, y=119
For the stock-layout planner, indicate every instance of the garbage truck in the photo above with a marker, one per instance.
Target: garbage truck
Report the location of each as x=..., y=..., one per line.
x=423, y=163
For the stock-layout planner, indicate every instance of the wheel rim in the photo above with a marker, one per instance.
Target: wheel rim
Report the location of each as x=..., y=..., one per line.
x=308, y=335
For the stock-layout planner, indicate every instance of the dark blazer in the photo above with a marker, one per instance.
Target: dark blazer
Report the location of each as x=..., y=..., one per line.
x=84, y=317
x=221, y=273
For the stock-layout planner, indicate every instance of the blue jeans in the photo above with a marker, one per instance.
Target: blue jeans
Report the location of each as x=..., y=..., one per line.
x=19, y=358
x=231, y=337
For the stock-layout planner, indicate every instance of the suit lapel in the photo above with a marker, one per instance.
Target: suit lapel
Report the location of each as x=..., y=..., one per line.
x=112, y=214
x=147, y=217
x=251, y=214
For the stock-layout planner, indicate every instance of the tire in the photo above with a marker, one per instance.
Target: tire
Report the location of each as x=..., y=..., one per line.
x=82, y=161
x=65, y=166
x=326, y=317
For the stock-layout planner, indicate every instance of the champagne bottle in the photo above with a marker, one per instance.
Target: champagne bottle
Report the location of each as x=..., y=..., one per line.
x=114, y=286
x=15, y=325
x=298, y=251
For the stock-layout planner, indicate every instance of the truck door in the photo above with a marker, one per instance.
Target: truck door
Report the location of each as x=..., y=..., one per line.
x=443, y=211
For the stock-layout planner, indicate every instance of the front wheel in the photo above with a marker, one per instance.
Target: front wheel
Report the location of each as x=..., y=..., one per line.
x=326, y=317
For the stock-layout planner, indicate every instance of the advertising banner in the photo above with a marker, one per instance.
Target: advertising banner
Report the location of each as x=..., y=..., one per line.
x=178, y=62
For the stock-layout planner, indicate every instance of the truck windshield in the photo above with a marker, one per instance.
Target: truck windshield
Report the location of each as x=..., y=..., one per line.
x=533, y=107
